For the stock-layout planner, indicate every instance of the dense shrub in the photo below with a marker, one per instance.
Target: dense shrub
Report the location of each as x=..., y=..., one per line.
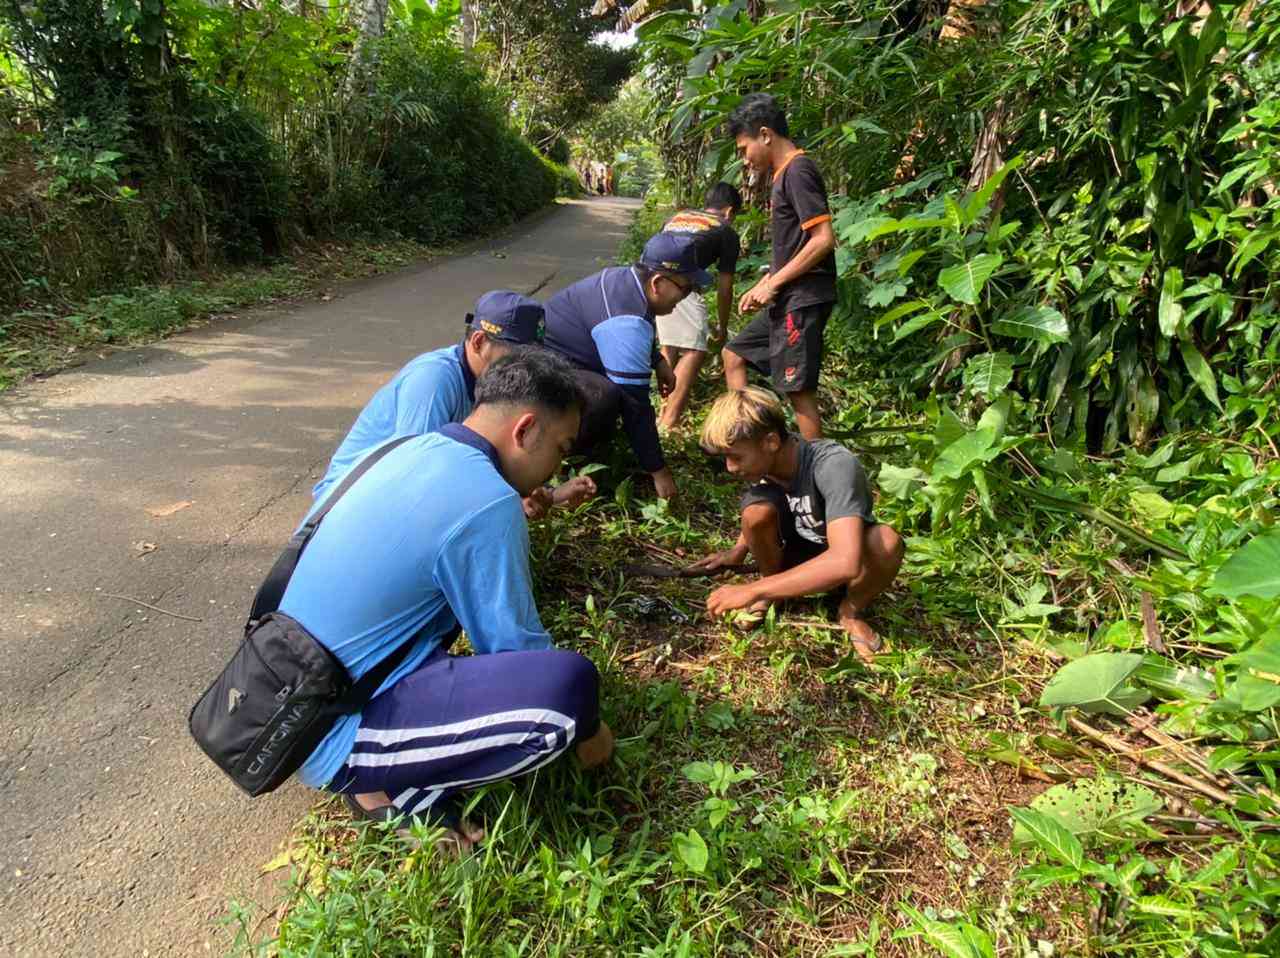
x=264, y=124
x=1121, y=276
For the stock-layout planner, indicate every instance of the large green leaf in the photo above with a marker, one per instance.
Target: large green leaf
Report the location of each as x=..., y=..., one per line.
x=969, y=450
x=961, y=940
x=1257, y=685
x=1049, y=835
x=964, y=281
x=1096, y=683
x=1168, y=679
x=1170, y=311
x=1044, y=324
x=1094, y=808
x=989, y=374
x=692, y=850
x=901, y=483
x=1200, y=371
x=1253, y=569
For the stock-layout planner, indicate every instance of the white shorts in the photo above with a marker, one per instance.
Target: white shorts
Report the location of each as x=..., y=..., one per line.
x=685, y=327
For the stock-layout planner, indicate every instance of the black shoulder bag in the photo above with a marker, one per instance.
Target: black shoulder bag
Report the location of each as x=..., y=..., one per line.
x=282, y=691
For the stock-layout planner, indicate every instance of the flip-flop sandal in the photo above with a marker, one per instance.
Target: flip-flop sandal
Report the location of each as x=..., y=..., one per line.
x=872, y=649
x=443, y=814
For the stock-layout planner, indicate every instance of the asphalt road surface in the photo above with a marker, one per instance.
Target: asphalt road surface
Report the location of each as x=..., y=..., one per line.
x=172, y=474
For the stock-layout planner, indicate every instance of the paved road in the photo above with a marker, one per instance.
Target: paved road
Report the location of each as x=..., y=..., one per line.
x=117, y=836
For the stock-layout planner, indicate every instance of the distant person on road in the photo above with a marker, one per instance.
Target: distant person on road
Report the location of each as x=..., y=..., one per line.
x=439, y=387
x=806, y=517
x=683, y=333
x=604, y=325
x=796, y=296
x=430, y=541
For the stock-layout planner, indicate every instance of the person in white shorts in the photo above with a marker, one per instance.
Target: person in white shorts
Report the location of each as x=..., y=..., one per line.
x=683, y=333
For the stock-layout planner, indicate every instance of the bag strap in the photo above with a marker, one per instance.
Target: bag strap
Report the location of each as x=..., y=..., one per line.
x=267, y=599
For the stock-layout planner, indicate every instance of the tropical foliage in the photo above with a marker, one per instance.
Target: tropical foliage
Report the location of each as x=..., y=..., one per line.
x=142, y=140
x=1119, y=266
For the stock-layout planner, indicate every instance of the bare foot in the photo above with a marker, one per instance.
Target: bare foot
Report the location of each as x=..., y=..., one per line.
x=865, y=640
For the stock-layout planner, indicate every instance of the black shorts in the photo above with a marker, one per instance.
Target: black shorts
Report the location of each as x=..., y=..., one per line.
x=785, y=345
x=795, y=547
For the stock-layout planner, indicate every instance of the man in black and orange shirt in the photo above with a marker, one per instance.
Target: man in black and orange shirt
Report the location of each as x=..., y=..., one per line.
x=799, y=291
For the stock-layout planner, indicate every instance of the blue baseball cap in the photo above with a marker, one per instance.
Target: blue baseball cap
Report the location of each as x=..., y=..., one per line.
x=675, y=253
x=509, y=317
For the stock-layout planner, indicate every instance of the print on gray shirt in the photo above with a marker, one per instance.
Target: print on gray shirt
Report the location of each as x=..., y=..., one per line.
x=829, y=484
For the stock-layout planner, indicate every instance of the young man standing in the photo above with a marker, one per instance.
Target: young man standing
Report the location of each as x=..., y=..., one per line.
x=430, y=541
x=683, y=332
x=806, y=518
x=798, y=293
x=604, y=325
x=439, y=387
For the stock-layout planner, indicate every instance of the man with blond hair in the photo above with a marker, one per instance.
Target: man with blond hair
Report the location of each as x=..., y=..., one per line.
x=806, y=517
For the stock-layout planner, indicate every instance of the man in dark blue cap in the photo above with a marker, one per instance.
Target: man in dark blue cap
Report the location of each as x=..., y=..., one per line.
x=439, y=387
x=604, y=324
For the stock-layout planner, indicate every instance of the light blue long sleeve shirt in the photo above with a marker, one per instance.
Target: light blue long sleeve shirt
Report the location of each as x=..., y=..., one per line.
x=431, y=390
x=430, y=538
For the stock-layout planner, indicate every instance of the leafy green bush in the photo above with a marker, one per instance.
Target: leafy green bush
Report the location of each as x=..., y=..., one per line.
x=1122, y=274
x=266, y=122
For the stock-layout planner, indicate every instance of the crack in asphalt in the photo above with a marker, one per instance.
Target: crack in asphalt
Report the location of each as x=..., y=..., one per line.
x=543, y=282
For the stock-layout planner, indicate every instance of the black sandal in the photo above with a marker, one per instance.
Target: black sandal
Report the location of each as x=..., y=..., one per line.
x=442, y=814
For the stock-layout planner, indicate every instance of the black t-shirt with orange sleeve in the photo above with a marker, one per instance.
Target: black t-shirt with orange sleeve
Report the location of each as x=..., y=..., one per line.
x=714, y=240
x=798, y=203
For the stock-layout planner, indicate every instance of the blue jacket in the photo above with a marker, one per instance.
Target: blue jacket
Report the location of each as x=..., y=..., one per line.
x=429, y=539
x=431, y=390
x=603, y=323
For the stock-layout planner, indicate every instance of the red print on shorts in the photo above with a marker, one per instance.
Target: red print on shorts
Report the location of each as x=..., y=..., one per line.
x=791, y=373
x=793, y=334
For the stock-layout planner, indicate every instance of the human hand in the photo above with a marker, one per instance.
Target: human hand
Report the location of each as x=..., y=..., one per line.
x=727, y=559
x=729, y=597
x=664, y=484
x=537, y=503
x=757, y=297
x=574, y=492
x=666, y=379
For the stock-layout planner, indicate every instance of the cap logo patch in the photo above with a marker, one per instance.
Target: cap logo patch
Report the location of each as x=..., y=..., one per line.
x=493, y=329
x=674, y=267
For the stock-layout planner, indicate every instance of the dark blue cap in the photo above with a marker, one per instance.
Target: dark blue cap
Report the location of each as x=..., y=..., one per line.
x=509, y=317
x=675, y=253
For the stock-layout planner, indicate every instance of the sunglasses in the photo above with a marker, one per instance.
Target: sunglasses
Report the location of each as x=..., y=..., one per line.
x=685, y=288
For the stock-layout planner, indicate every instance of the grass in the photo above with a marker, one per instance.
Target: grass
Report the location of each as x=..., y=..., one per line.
x=856, y=793
x=36, y=342
x=771, y=795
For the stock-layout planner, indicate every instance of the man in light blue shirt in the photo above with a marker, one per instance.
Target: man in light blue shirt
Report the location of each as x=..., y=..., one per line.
x=439, y=387
x=431, y=540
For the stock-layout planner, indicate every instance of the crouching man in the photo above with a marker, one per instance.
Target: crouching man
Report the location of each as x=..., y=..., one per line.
x=806, y=518
x=431, y=540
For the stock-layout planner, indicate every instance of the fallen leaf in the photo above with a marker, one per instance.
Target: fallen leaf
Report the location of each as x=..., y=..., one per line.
x=142, y=548
x=161, y=511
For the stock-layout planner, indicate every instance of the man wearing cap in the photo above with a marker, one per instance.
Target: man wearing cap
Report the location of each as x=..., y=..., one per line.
x=439, y=387
x=604, y=324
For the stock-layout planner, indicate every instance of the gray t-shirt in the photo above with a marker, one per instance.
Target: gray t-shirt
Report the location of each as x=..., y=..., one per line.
x=829, y=484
